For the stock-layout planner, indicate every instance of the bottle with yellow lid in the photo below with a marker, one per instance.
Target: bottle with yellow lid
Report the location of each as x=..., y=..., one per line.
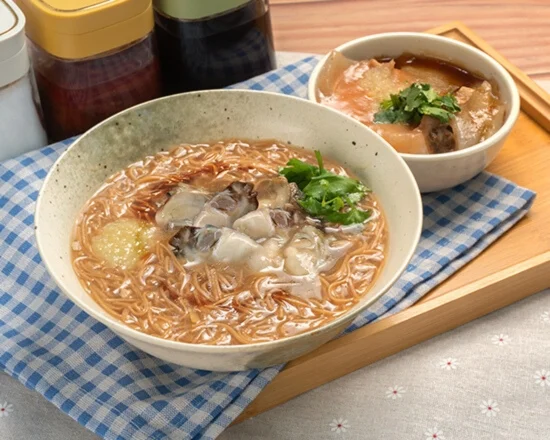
x=205, y=44
x=91, y=58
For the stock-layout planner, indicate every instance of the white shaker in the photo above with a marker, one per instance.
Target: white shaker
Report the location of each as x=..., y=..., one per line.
x=20, y=115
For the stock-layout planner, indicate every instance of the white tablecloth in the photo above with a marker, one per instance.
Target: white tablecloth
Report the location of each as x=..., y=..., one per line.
x=488, y=380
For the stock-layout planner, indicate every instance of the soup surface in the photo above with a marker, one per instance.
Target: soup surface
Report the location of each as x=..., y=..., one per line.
x=217, y=244
x=419, y=105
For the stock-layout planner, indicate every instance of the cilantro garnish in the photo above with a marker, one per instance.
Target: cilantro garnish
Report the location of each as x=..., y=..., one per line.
x=410, y=104
x=326, y=195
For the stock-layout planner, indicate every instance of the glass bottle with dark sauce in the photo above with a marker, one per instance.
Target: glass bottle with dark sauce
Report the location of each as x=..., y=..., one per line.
x=203, y=47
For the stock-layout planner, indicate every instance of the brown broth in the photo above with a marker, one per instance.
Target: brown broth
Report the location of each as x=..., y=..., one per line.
x=456, y=73
x=217, y=304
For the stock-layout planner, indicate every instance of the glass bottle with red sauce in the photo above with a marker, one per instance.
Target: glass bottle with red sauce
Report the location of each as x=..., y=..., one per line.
x=207, y=44
x=91, y=59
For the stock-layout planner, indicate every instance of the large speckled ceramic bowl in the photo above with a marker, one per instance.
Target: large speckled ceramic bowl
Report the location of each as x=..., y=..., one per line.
x=205, y=117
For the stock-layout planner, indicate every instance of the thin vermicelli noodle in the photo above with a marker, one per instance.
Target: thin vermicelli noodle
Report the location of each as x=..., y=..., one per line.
x=214, y=303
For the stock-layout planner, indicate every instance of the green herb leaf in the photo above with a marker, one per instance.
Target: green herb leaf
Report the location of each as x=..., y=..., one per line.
x=356, y=197
x=327, y=195
x=299, y=172
x=329, y=185
x=438, y=113
x=312, y=206
x=319, y=160
x=417, y=100
x=348, y=218
x=449, y=102
x=385, y=116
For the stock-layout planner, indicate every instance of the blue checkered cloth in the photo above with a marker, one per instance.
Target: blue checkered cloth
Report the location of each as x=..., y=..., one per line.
x=119, y=392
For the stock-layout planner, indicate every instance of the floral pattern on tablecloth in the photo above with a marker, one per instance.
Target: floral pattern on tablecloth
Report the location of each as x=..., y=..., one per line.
x=5, y=409
x=488, y=380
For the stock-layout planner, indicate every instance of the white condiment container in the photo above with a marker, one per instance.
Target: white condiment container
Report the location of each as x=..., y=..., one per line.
x=20, y=115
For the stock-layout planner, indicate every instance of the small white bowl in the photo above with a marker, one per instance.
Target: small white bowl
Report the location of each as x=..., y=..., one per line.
x=434, y=172
x=209, y=116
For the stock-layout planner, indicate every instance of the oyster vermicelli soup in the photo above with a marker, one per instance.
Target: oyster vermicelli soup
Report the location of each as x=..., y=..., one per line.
x=232, y=242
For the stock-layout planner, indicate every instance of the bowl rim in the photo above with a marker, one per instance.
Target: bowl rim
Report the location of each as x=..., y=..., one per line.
x=499, y=70
x=124, y=331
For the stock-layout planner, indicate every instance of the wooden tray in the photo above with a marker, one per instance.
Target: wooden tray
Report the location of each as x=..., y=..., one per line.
x=516, y=266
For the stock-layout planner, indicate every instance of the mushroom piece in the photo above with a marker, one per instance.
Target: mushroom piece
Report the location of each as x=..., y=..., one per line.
x=184, y=204
x=281, y=218
x=273, y=192
x=195, y=243
x=222, y=245
x=256, y=224
x=228, y=205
